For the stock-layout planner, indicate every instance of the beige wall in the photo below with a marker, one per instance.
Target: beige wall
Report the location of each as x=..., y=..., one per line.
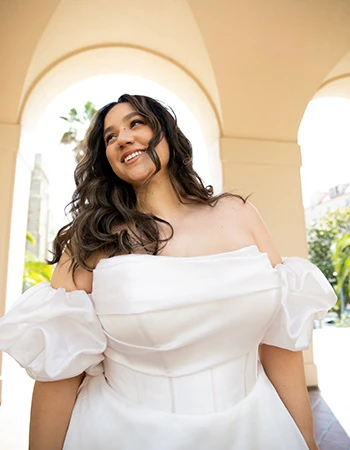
x=270, y=172
x=9, y=142
x=253, y=66
x=170, y=31
x=21, y=26
x=269, y=58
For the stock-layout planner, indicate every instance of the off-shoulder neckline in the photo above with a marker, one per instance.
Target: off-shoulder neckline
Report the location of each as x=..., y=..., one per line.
x=104, y=261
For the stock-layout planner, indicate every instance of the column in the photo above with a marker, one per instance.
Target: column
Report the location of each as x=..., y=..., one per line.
x=9, y=143
x=270, y=172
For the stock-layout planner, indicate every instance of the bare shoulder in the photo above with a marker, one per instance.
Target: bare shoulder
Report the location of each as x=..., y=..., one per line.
x=234, y=210
x=62, y=276
x=230, y=203
x=252, y=222
x=261, y=234
x=229, y=209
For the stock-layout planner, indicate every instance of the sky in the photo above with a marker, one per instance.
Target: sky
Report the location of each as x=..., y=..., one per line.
x=324, y=136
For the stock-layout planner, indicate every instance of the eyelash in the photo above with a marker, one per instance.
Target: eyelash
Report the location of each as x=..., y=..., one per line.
x=132, y=124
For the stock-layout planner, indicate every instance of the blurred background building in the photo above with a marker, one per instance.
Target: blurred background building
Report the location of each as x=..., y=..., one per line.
x=337, y=197
x=38, y=211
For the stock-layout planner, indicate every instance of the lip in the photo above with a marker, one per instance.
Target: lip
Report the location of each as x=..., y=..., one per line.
x=129, y=152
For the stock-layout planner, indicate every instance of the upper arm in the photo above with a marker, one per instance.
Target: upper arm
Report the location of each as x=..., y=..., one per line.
x=261, y=233
x=62, y=276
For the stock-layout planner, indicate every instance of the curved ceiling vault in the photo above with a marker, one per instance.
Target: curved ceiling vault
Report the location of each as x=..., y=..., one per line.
x=258, y=61
x=269, y=58
x=170, y=32
x=21, y=26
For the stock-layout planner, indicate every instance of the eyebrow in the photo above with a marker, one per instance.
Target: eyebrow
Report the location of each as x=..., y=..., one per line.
x=124, y=119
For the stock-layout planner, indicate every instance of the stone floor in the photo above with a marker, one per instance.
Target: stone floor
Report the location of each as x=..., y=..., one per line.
x=329, y=434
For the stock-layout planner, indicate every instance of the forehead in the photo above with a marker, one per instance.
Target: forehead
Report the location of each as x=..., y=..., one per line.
x=117, y=114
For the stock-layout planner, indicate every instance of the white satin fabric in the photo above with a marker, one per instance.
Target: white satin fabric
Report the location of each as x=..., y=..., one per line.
x=170, y=347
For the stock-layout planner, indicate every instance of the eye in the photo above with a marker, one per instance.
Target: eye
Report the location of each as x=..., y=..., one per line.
x=136, y=122
x=110, y=137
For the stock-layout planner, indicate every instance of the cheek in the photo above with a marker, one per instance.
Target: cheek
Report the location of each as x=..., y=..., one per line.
x=164, y=153
x=110, y=155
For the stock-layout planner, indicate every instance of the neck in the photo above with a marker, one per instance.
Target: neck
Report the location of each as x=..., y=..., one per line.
x=159, y=198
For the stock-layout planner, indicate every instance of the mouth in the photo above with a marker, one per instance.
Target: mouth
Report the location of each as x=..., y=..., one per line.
x=132, y=156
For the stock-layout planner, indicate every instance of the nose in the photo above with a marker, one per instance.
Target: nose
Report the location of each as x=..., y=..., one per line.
x=125, y=137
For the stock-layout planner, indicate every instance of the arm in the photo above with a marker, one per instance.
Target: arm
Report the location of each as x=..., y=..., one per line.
x=53, y=402
x=284, y=368
x=52, y=406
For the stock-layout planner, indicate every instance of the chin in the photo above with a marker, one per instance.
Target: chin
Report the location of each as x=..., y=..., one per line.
x=137, y=181
x=138, y=177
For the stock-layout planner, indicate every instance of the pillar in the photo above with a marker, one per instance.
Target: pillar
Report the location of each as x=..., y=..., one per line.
x=270, y=172
x=9, y=143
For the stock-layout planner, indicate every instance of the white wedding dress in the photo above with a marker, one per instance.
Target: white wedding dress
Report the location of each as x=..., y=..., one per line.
x=170, y=346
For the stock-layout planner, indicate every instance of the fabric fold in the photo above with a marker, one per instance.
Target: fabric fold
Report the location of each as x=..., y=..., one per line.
x=306, y=295
x=178, y=338
x=53, y=334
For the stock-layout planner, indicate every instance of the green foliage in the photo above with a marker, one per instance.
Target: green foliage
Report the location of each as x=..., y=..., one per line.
x=320, y=242
x=341, y=260
x=343, y=321
x=35, y=271
x=30, y=238
x=78, y=122
x=329, y=247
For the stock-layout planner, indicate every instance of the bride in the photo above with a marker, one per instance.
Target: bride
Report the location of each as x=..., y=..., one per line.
x=171, y=321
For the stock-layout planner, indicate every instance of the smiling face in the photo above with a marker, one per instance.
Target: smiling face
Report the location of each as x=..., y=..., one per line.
x=126, y=136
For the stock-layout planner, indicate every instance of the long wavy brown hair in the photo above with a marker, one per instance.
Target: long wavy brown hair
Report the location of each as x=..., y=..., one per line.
x=103, y=210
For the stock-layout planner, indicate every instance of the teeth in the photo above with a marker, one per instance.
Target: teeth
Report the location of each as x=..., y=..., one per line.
x=132, y=156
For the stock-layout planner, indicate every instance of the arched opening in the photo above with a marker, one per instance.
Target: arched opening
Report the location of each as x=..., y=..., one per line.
x=324, y=138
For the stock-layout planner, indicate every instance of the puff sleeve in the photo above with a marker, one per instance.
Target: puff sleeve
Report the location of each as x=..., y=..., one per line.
x=306, y=295
x=53, y=334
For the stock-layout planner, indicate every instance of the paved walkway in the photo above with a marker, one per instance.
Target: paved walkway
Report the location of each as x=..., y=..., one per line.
x=331, y=404
x=329, y=434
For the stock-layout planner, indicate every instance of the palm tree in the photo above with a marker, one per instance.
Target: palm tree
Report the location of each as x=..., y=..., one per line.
x=78, y=123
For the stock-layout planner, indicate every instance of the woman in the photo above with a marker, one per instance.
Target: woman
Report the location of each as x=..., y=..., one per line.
x=191, y=336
